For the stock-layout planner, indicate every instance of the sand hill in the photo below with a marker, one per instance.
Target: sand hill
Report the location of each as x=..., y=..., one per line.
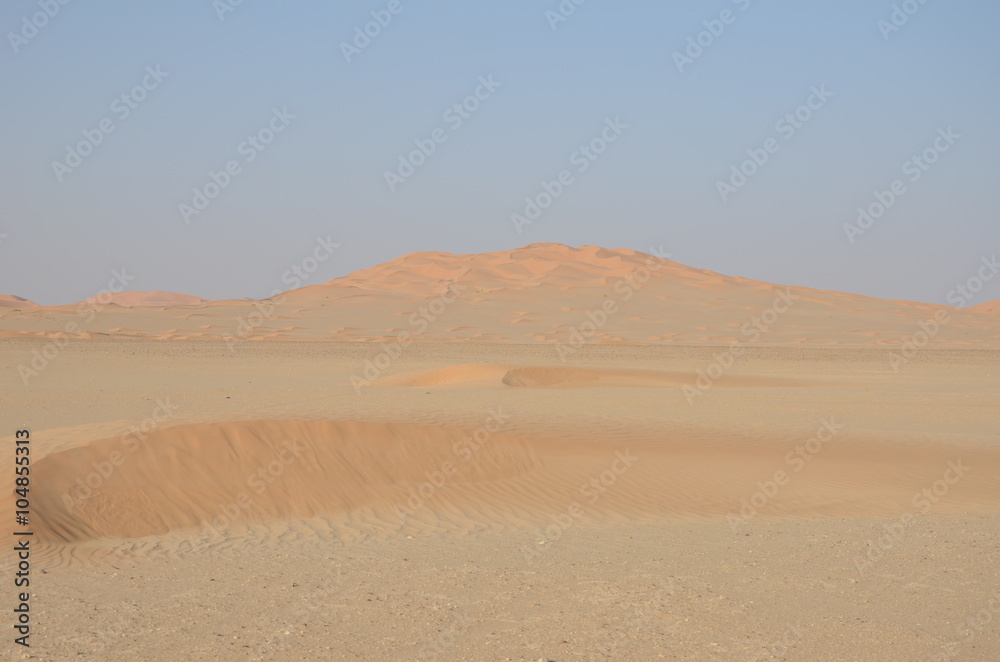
x=541, y=293
x=9, y=301
x=988, y=307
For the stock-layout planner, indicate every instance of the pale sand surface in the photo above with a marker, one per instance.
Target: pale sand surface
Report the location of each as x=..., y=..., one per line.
x=321, y=563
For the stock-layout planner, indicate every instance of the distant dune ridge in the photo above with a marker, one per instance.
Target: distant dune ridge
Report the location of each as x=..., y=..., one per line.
x=134, y=299
x=9, y=301
x=540, y=293
x=988, y=307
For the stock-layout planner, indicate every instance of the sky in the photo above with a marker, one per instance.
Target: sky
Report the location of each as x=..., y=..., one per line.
x=206, y=148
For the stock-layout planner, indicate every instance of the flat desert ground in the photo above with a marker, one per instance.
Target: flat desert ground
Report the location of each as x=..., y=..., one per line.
x=495, y=497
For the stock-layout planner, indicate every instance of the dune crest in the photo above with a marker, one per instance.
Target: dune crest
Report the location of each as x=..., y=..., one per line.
x=10, y=301
x=198, y=480
x=988, y=307
x=540, y=293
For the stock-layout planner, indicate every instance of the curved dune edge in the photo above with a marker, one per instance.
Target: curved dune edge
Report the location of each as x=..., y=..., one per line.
x=282, y=477
x=188, y=476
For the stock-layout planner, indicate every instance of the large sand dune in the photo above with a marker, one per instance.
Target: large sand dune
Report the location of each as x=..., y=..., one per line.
x=546, y=293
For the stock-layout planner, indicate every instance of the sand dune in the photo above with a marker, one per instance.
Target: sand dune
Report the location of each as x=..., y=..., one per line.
x=541, y=293
x=988, y=307
x=229, y=476
x=639, y=418
x=557, y=376
x=10, y=302
x=263, y=471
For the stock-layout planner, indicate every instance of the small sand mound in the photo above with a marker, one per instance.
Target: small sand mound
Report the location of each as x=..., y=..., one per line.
x=496, y=376
x=548, y=376
x=457, y=374
x=251, y=473
x=367, y=476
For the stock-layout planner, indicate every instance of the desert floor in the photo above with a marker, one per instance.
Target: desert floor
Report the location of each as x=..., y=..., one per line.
x=465, y=501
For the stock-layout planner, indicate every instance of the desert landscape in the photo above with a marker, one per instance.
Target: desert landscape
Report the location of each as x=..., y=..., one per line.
x=550, y=453
x=519, y=331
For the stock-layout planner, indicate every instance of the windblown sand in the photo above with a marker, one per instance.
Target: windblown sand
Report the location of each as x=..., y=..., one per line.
x=493, y=501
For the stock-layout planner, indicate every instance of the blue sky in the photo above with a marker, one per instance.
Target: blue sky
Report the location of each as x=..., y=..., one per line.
x=346, y=123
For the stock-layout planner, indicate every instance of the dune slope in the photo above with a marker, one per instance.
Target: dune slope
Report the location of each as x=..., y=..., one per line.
x=540, y=293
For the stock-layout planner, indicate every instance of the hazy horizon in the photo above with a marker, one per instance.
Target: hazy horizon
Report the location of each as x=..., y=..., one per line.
x=207, y=86
x=296, y=276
